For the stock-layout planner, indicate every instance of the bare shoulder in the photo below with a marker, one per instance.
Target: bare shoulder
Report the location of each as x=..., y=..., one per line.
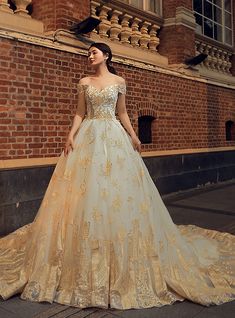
x=120, y=80
x=84, y=80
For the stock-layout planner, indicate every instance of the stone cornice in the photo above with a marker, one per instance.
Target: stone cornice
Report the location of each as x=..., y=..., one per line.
x=49, y=161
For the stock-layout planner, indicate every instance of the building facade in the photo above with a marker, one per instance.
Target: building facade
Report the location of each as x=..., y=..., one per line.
x=183, y=113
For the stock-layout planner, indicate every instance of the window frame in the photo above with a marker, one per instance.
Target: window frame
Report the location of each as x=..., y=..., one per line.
x=145, y=6
x=222, y=24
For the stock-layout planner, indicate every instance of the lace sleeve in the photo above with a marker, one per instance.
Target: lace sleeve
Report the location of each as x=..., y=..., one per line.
x=81, y=108
x=81, y=88
x=122, y=88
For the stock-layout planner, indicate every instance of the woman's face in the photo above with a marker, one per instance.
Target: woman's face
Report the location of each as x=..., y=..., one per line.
x=95, y=56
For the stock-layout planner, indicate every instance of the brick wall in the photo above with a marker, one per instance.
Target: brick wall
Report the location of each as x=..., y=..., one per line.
x=233, y=57
x=60, y=14
x=177, y=42
x=38, y=98
x=169, y=7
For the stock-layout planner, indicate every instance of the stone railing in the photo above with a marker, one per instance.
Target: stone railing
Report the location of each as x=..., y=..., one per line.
x=126, y=25
x=18, y=20
x=219, y=56
x=21, y=6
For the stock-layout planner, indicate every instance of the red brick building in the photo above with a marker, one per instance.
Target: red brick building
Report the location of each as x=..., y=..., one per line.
x=184, y=114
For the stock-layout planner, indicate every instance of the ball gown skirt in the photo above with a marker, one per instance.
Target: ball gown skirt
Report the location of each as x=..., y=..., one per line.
x=103, y=236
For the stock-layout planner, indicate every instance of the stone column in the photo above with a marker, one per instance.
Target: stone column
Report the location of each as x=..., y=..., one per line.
x=60, y=14
x=233, y=56
x=177, y=37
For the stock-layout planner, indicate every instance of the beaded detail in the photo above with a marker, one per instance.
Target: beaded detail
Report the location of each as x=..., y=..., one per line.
x=101, y=103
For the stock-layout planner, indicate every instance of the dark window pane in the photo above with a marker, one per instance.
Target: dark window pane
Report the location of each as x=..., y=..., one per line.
x=227, y=5
x=198, y=19
x=137, y=3
x=197, y=6
x=218, y=32
x=228, y=20
x=217, y=15
x=145, y=132
x=208, y=9
x=228, y=36
x=218, y=3
x=208, y=28
x=230, y=130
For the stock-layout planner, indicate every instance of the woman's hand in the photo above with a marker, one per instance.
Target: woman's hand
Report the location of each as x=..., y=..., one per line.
x=136, y=143
x=69, y=145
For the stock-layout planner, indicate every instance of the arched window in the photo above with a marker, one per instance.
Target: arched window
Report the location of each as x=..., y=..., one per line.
x=145, y=129
x=230, y=130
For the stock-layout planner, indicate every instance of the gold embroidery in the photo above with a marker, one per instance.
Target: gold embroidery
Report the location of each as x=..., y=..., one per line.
x=103, y=136
x=116, y=204
x=67, y=175
x=97, y=216
x=144, y=207
x=122, y=234
x=104, y=193
x=114, y=183
x=82, y=189
x=106, y=168
x=85, y=230
x=130, y=199
x=85, y=162
x=120, y=161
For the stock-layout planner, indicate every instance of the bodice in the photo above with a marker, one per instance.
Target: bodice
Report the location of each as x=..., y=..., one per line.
x=101, y=103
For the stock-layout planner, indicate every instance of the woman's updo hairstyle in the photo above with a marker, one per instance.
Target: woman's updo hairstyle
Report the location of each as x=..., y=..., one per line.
x=106, y=50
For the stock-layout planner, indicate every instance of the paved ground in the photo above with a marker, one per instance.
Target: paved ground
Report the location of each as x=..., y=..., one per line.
x=212, y=207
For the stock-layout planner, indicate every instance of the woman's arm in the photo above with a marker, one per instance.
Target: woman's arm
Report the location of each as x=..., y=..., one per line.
x=77, y=120
x=125, y=120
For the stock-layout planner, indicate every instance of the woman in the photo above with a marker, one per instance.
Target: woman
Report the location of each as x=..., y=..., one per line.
x=102, y=236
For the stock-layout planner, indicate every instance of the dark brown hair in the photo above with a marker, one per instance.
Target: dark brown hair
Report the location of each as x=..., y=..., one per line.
x=106, y=50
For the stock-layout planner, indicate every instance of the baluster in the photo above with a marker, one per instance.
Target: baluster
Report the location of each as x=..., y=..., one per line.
x=125, y=30
x=21, y=6
x=219, y=61
x=145, y=37
x=207, y=61
x=5, y=7
x=154, y=40
x=94, y=6
x=228, y=63
x=224, y=63
x=105, y=24
x=135, y=36
x=214, y=58
x=115, y=26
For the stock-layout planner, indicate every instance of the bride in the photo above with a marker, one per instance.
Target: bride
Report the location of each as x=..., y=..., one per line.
x=103, y=236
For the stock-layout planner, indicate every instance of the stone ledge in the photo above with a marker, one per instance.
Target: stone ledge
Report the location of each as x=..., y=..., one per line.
x=37, y=162
x=13, y=22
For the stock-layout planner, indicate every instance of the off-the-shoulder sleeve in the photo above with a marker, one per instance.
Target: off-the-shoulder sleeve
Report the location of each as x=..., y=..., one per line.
x=81, y=88
x=122, y=88
x=81, y=108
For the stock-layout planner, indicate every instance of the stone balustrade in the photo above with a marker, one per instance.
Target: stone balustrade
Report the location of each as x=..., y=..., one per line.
x=125, y=25
x=21, y=6
x=219, y=57
x=19, y=20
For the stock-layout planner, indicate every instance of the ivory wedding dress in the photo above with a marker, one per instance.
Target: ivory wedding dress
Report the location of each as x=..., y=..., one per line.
x=103, y=236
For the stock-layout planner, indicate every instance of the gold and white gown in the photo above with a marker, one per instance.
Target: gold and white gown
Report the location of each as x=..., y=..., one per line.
x=103, y=236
